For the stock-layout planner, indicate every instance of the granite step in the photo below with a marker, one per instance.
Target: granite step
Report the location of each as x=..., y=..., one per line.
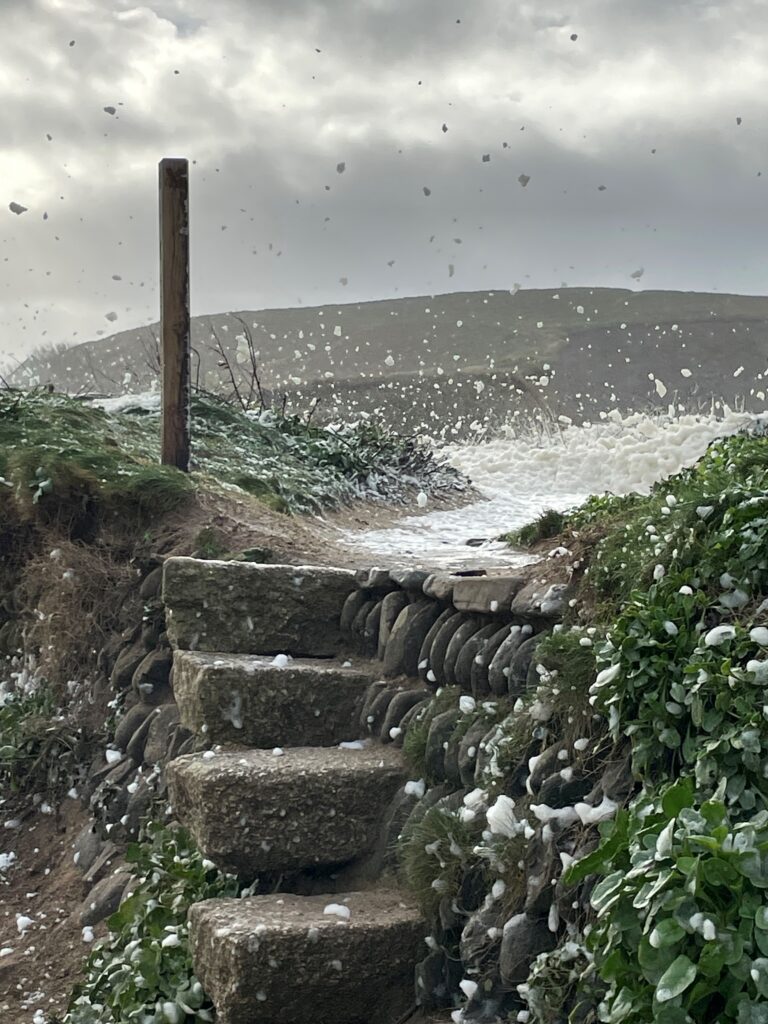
x=299, y=809
x=265, y=702
x=284, y=959
x=250, y=608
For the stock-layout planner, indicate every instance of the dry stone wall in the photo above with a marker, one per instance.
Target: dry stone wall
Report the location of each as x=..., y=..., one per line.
x=514, y=778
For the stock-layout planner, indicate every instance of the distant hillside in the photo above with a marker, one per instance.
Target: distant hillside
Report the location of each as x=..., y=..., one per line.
x=464, y=356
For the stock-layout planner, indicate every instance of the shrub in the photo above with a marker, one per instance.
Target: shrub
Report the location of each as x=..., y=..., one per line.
x=142, y=972
x=40, y=749
x=682, y=923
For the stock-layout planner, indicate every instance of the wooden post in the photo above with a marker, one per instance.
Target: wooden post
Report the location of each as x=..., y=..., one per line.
x=174, y=312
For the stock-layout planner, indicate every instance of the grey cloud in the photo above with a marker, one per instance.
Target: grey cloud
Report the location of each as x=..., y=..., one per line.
x=663, y=75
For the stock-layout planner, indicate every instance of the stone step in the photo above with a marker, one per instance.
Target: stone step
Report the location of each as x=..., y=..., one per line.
x=283, y=959
x=249, y=608
x=255, y=811
x=238, y=698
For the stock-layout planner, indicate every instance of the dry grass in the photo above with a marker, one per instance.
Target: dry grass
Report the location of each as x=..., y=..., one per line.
x=73, y=595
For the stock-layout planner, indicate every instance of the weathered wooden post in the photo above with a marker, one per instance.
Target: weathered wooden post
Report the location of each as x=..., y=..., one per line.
x=174, y=312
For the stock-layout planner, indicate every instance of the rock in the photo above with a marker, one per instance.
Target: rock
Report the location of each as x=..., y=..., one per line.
x=431, y=988
x=164, y=721
x=377, y=581
x=138, y=806
x=440, y=648
x=540, y=604
x=135, y=748
x=451, y=761
x=498, y=670
x=541, y=866
x=151, y=632
x=468, y=748
x=546, y=763
x=559, y=792
x=439, y=586
x=401, y=656
x=521, y=663
x=616, y=780
x=357, y=599
x=358, y=629
x=465, y=631
x=371, y=630
x=245, y=607
x=107, y=656
x=129, y=723
x=152, y=584
x=110, y=796
x=476, y=947
x=462, y=668
x=371, y=694
x=107, y=859
x=409, y=579
x=448, y=914
x=487, y=594
x=86, y=847
x=128, y=660
x=407, y=718
x=440, y=731
x=400, y=704
x=239, y=698
x=397, y=814
x=426, y=647
x=391, y=607
x=181, y=742
x=482, y=663
x=280, y=959
x=151, y=680
x=379, y=708
x=104, y=898
x=236, y=805
x=522, y=941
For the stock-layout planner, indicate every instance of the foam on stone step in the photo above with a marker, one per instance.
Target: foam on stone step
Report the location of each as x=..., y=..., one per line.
x=236, y=698
x=282, y=959
x=255, y=811
x=250, y=608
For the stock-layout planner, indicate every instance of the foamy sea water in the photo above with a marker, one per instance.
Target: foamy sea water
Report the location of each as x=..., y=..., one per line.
x=521, y=476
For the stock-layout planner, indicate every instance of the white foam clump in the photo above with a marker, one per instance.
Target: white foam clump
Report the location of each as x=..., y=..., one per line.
x=561, y=815
x=352, y=745
x=591, y=815
x=87, y=934
x=145, y=401
x=281, y=660
x=338, y=910
x=113, y=756
x=501, y=817
x=719, y=635
x=6, y=860
x=759, y=635
x=416, y=788
x=467, y=704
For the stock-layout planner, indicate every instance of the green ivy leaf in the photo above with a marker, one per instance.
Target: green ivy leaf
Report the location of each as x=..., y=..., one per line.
x=679, y=975
x=666, y=933
x=677, y=797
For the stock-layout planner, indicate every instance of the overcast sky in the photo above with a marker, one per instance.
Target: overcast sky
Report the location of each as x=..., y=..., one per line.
x=318, y=126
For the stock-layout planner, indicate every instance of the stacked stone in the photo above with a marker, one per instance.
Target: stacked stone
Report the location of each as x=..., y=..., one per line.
x=478, y=632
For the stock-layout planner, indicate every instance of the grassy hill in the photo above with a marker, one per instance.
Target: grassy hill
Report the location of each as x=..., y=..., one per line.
x=464, y=356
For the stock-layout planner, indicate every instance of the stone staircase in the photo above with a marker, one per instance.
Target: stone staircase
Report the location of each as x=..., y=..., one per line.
x=286, y=793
